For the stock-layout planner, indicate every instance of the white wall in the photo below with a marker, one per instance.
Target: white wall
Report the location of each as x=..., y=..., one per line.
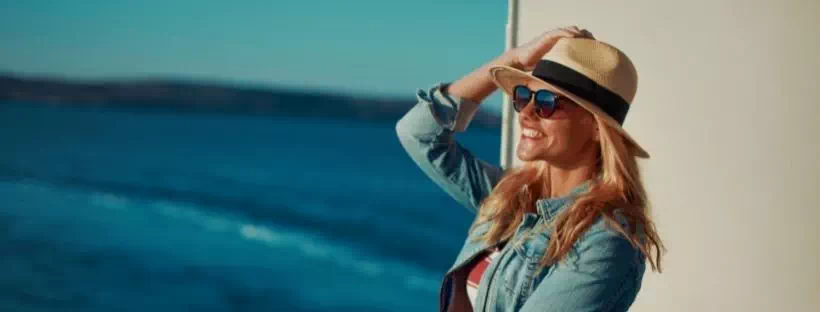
x=728, y=105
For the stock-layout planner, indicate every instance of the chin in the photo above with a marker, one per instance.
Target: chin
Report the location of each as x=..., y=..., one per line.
x=533, y=150
x=538, y=154
x=526, y=155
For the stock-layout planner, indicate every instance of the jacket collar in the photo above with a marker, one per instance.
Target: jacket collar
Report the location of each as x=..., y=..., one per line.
x=548, y=208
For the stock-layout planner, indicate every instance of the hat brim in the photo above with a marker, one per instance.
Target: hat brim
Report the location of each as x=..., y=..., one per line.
x=507, y=78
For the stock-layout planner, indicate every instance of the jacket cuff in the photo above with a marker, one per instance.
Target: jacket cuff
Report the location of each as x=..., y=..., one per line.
x=451, y=112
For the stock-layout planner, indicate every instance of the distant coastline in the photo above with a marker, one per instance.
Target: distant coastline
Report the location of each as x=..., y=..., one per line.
x=208, y=97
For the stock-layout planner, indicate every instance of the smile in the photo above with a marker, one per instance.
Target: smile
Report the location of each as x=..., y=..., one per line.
x=531, y=133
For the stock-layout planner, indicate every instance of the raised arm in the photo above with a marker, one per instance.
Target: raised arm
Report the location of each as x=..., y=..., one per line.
x=426, y=133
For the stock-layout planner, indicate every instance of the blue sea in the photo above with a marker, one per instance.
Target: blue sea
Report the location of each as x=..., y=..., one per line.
x=113, y=210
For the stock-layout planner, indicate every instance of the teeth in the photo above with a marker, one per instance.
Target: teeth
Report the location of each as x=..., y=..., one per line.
x=530, y=133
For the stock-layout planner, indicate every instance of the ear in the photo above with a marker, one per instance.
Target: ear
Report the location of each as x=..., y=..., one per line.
x=597, y=135
x=596, y=132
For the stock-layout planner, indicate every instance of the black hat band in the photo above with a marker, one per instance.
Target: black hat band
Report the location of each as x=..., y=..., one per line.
x=568, y=79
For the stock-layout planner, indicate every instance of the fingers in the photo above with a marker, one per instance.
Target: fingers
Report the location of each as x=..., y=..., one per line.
x=548, y=37
x=574, y=31
x=538, y=46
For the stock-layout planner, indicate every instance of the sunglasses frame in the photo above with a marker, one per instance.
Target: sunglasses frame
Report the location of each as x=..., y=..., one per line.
x=539, y=106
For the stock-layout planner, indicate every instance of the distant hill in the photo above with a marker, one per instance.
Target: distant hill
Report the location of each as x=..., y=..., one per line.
x=198, y=97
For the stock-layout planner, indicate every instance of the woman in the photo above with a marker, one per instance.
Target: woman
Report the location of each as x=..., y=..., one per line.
x=569, y=229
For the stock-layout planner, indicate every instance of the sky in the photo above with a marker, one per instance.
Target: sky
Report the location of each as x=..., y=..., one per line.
x=379, y=47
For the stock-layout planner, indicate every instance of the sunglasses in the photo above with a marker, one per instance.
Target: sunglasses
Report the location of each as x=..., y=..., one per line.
x=546, y=102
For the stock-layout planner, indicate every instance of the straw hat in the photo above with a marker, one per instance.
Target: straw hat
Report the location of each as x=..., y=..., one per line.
x=592, y=73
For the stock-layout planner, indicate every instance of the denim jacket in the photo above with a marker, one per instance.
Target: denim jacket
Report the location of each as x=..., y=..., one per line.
x=603, y=272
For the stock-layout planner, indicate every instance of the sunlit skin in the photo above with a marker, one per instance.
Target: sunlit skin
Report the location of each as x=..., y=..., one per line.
x=568, y=140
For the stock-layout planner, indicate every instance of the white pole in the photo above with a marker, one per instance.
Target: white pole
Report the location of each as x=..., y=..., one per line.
x=507, y=112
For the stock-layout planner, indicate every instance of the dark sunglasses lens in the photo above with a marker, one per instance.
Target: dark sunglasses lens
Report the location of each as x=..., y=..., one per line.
x=521, y=97
x=544, y=103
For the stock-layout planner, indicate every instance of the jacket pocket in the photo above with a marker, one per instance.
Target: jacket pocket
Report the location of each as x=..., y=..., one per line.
x=536, y=248
x=521, y=278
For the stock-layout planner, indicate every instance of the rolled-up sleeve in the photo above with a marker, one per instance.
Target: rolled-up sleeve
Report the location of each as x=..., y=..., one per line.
x=426, y=133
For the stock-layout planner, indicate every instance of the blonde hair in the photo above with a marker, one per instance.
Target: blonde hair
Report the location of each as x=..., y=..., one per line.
x=617, y=186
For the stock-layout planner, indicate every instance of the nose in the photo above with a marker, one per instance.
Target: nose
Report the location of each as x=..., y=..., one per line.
x=528, y=113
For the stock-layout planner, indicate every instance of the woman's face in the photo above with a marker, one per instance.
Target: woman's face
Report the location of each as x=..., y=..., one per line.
x=569, y=136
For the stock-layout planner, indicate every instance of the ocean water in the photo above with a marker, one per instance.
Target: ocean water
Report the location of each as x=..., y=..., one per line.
x=106, y=210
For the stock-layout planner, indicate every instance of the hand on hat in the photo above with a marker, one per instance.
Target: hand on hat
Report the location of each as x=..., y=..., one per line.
x=526, y=56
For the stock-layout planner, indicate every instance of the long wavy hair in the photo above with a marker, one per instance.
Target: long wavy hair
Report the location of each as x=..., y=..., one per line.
x=618, y=186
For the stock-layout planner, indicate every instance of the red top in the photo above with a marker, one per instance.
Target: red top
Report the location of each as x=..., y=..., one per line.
x=476, y=271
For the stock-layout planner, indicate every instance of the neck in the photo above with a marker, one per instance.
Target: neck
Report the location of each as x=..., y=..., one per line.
x=564, y=179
